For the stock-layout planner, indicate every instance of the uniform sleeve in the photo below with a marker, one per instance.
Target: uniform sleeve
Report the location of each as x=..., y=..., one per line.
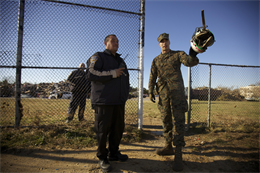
x=95, y=71
x=153, y=77
x=187, y=60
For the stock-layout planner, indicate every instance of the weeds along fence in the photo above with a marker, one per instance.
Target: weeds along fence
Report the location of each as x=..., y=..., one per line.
x=222, y=94
x=42, y=41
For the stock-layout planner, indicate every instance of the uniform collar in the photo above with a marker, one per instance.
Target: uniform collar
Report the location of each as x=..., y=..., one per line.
x=167, y=52
x=109, y=53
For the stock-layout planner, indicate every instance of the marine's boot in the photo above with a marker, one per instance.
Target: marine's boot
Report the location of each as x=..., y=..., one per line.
x=178, y=164
x=166, y=150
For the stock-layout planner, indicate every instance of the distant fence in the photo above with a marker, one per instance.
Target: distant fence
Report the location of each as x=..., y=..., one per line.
x=219, y=91
x=42, y=41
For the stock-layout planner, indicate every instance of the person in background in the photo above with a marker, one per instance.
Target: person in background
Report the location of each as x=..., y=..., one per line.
x=172, y=101
x=80, y=88
x=109, y=78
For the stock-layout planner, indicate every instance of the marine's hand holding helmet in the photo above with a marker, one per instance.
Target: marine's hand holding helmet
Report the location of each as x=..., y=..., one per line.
x=192, y=53
x=201, y=39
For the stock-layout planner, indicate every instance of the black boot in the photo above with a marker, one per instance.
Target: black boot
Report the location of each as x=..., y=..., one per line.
x=166, y=150
x=178, y=164
x=118, y=157
x=104, y=165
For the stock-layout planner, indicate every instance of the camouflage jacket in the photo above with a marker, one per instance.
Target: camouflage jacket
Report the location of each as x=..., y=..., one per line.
x=167, y=68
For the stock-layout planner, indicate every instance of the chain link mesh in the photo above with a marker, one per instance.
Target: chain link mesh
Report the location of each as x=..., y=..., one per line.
x=57, y=37
x=234, y=94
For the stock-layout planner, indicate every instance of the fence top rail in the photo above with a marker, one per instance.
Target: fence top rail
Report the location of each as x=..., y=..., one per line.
x=89, y=6
x=232, y=65
x=66, y=68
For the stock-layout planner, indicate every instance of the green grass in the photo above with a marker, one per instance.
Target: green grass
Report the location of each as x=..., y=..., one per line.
x=43, y=123
x=150, y=110
x=74, y=135
x=51, y=111
x=230, y=113
x=37, y=112
x=225, y=112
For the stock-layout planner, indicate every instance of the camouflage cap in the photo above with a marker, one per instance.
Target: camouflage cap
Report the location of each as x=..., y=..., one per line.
x=163, y=36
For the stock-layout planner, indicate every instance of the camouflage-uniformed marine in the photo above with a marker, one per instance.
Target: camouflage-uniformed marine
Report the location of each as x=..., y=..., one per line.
x=172, y=104
x=170, y=87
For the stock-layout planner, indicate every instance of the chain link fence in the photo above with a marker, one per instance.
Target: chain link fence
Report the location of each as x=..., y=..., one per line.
x=57, y=37
x=224, y=94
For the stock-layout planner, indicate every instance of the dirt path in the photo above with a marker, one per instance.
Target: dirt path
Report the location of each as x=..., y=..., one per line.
x=142, y=158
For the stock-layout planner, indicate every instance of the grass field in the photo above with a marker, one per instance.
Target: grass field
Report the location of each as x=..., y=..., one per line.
x=51, y=113
x=221, y=113
x=38, y=112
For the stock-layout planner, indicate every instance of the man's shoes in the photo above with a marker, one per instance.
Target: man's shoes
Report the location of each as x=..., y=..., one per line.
x=69, y=117
x=104, y=165
x=118, y=156
x=82, y=120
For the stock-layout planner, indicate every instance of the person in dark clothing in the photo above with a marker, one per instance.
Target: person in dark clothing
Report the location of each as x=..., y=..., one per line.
x=80, y=88
x=109, y=78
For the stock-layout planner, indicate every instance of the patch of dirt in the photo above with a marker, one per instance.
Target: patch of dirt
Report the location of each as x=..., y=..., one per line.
x=204, y=152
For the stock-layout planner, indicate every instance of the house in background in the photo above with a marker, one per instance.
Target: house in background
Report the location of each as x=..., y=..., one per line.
x=250, y=92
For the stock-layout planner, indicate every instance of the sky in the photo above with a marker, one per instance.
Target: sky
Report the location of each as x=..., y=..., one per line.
x=235, y=25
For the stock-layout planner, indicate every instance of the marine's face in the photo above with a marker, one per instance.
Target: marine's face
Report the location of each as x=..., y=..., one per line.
x=164, y=45
x=112, y=44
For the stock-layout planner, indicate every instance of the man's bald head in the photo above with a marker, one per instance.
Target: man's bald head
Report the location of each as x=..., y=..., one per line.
x=82, y=65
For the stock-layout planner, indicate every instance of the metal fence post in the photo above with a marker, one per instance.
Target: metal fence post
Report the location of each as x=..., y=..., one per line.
x=189, y=97
x=18, y=106
x=209, y=89
x=141, y=70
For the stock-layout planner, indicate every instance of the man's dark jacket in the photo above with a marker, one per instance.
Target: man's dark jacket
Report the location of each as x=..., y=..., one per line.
x=78, y=82
x=106, y=88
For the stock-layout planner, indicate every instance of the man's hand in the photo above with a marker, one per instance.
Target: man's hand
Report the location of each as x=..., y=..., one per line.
x=119, y=71
x=152, y=97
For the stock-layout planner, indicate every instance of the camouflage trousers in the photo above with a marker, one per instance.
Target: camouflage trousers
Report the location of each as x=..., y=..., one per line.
x=172, y=106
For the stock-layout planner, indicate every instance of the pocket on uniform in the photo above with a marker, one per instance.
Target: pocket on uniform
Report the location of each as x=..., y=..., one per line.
x=179, y=101
x=159, y=87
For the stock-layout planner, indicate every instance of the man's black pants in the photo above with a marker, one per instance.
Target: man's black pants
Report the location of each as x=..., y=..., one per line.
x=109, y=121
x=77, y=99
